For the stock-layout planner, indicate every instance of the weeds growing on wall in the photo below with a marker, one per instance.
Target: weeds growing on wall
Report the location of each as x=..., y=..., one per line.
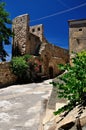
x=73, y=83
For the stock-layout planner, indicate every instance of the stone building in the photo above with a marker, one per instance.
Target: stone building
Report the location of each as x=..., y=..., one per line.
x=31, y=40
x=77, y=36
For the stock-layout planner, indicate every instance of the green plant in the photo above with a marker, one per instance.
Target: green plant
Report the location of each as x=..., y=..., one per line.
x=72, y=85
x=27, y=57
x=23, y=67
x=19, y=66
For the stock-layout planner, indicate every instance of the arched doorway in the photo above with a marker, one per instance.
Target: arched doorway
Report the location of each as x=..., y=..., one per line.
x=50, y=72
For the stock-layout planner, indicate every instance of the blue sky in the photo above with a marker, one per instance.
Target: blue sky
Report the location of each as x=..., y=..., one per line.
x=53, y=14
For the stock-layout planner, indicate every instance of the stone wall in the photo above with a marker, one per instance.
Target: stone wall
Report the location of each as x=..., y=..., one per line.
x=6, y=76
x=52, y=56
x=33, y=44
x=53, y=64
x=57, y=51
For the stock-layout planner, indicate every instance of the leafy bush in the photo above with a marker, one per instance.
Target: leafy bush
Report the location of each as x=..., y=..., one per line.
x=24, y=68
x=19, y=66
x=27, y=57
x=73, y=83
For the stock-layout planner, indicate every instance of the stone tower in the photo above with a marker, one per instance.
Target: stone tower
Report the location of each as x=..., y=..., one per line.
x=38, y=30
x=20, y=28
x=77, y=36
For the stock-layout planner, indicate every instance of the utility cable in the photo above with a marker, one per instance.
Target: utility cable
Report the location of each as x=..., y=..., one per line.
x=61, y=12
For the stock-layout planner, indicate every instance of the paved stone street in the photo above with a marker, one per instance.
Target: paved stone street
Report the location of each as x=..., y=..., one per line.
x=21, y=106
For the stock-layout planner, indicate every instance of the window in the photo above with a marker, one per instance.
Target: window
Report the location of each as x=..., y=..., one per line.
x=38, y=29
x=33, y=30
x=80, y=29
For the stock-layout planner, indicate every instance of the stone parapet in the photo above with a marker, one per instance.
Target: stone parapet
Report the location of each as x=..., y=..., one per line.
x=6, y=75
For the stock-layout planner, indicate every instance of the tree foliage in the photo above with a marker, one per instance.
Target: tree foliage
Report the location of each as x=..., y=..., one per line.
x=5, y=31
x=73, y=82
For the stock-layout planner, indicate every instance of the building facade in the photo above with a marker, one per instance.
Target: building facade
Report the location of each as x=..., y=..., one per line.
x=77, y=36
x=30, y=40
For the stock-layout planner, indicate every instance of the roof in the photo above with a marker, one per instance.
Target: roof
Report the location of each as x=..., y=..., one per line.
x=78, y=22
x=74, y=20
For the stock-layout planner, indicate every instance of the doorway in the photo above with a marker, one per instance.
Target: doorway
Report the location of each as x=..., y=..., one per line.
x=50, y=72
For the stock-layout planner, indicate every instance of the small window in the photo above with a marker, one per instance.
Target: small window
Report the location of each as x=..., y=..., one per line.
x=80, y=29
x=38, y=29
x=33, y=30
x=21, y=19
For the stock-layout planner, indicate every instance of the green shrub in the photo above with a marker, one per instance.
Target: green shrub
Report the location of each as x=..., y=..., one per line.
x=19, y=66
x=23, y=67
x=27, y=57
x=73, y=83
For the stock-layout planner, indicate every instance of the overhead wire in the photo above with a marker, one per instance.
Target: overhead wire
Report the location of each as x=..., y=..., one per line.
x=60, y=12
x=62, y=3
